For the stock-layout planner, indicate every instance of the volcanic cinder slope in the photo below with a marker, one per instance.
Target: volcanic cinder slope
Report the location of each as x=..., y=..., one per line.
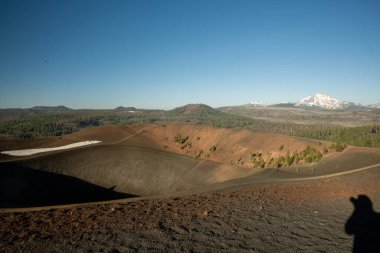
x=145, y=160
x=215, y=202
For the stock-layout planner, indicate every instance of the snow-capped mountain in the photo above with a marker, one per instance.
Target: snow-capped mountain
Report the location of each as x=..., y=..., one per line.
x=321, y=100
x=327, y=102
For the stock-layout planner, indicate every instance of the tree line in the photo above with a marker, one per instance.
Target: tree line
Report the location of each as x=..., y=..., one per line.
x=61, y=123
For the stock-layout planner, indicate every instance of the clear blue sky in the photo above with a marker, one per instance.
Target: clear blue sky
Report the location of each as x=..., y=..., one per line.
x=163, y=54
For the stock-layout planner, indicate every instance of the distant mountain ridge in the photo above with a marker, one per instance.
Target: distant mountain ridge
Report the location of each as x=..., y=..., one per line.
x=50, y=108
x=194, y=109
x=18, y=113
x=324, y=101
x=317, y=101
x=122, y=108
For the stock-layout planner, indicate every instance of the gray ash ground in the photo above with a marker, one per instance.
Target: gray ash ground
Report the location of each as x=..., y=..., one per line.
x=307, y=216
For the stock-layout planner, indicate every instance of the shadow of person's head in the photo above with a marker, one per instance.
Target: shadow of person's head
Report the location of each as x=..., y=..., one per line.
x=362, y=203
x=364, y=225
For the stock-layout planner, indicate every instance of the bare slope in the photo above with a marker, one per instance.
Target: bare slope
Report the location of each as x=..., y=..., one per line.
x=230, y=146
x=134, y=170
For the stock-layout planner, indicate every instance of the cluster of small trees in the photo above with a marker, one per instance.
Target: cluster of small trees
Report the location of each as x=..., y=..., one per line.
x=338, y=146
x=308, y=155
x=33, y=129
x=364, y=136
x=180, y=139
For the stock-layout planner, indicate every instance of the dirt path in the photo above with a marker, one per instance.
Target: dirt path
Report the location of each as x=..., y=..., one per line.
x=331, y=175
x=135, y=134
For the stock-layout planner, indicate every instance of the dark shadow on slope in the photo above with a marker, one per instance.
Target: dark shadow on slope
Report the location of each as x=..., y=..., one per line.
x=364, y=225
x=26, y=187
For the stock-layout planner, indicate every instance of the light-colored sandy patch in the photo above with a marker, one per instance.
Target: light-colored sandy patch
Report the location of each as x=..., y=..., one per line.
x=26, y=152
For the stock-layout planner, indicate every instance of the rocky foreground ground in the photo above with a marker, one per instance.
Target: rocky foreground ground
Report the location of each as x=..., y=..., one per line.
x=304, y=216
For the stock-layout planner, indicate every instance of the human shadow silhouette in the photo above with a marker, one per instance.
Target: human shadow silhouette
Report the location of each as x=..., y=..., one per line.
x=364, y=225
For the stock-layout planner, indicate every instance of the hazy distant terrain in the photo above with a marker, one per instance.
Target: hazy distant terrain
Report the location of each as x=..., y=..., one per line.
x=285, y=114
x=317, y=109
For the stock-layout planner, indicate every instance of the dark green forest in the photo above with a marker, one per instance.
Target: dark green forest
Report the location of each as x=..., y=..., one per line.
x=56, y=122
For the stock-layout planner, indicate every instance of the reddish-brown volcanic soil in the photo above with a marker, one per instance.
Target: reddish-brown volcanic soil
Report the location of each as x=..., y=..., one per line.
x=264, y=210
x=233, y=146
x=307, y=216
